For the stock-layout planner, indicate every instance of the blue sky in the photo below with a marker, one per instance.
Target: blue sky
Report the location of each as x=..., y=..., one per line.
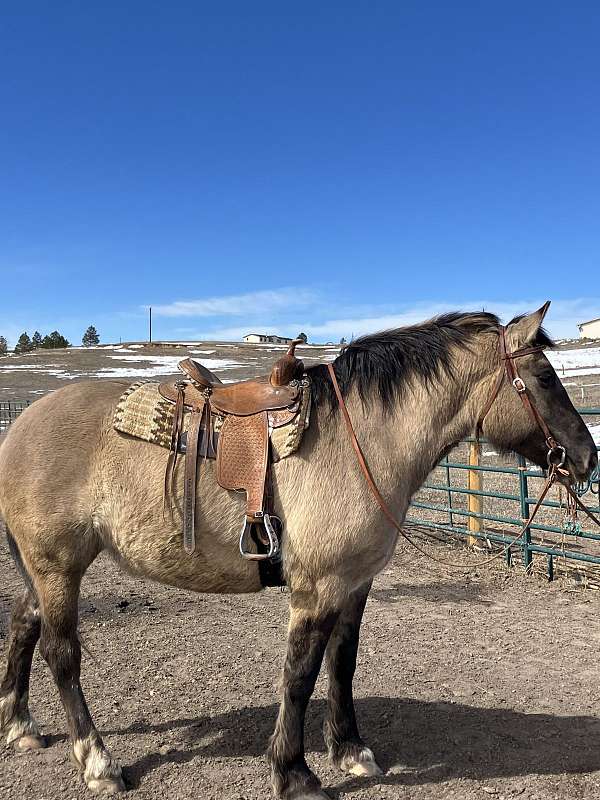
x=331, y=167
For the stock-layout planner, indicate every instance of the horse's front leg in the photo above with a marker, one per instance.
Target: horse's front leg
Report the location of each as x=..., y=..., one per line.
x=309, y=632
x=346, y=749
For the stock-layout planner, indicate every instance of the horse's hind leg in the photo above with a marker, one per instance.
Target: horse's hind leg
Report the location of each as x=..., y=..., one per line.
x=59, y=645
x=15, y=720
x=346, y=748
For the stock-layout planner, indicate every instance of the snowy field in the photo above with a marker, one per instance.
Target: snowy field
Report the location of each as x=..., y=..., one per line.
x=585, y=361
x=29, y=376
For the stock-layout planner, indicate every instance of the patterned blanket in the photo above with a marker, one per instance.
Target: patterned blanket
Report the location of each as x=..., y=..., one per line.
x=143, y=413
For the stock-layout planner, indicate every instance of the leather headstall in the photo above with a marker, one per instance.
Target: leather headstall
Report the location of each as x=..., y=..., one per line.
x=557, y=454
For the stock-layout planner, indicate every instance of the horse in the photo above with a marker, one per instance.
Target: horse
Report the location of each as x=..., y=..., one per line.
x=71, y=487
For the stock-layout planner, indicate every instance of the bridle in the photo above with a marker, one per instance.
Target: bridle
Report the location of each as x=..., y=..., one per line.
x=557, y=454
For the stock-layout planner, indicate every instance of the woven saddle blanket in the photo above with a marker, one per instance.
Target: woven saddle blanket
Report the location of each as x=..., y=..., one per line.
x=144, y=414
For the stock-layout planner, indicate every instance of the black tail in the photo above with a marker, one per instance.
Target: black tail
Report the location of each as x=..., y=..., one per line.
x=15, y=553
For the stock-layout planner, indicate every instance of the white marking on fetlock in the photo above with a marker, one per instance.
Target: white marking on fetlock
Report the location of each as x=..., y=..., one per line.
x=15, y=719
x=28, y=743
x=100, y=770
x=364, y=766
x=106, y=785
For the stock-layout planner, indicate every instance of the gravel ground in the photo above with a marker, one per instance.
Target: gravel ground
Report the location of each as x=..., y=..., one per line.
x=466, y=688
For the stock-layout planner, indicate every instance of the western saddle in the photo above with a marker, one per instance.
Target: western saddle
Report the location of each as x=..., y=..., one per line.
x=231, y=423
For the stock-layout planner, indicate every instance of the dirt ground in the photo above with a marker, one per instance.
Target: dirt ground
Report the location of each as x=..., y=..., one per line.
x=466, y=688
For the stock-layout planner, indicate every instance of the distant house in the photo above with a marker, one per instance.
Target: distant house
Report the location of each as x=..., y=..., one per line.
x=265, y=338
x=590, y=329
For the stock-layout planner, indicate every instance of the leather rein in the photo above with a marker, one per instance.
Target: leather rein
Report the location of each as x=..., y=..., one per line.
x=556, y=455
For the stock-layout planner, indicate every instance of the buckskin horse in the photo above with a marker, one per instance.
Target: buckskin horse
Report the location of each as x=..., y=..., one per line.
x=71, y=486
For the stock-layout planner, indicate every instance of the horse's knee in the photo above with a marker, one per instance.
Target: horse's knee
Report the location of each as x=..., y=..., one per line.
x=61, y=650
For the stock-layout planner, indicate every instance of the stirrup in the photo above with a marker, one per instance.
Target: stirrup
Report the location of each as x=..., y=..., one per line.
x=274, y=546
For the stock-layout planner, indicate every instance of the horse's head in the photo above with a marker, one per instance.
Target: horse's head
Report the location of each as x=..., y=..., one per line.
x=531, y=402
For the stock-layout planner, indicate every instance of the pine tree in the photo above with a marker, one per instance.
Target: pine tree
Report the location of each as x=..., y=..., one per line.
x=36, y=340
x=302, y=336
x=3, y=346
x=90, y=337
x=54, y=340
x=24, y=344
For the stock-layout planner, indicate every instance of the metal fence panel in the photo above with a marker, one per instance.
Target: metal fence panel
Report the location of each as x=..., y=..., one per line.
x=9, y=411
x=452, y=501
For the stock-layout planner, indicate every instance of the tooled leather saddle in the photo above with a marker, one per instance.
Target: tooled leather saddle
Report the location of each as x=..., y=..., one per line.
x=231, y=423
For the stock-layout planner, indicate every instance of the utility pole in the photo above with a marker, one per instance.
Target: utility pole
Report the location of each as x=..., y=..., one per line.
x=150, y=337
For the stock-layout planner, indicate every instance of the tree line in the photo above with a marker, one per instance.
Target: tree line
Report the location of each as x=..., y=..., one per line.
x=51, y=341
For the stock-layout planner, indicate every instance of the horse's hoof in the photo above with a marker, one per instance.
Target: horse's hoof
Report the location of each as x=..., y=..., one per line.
x=360, y=763
x=29, y=742
x=308, y=794
x=365, y=769
x=106, y=785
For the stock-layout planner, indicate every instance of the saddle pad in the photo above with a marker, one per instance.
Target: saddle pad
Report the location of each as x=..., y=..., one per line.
x=286, y=439
x=141, y=412
x=144, y=414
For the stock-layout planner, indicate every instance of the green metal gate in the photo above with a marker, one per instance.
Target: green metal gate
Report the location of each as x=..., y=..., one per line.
x=446, y=503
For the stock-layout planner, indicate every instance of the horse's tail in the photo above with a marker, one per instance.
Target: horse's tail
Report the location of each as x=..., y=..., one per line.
x=16, y=554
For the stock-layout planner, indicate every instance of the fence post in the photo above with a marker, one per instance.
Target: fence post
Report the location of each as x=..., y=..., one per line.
x=524, y=493
x=449, y=491
x=475, y=484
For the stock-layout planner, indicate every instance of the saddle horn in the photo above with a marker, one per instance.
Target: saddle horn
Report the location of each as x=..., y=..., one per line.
x=288, y=366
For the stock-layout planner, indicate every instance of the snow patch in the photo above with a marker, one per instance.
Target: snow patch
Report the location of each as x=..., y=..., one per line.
x=39, y=369
x=575, y=362
x=157, y=365
x=595, y=431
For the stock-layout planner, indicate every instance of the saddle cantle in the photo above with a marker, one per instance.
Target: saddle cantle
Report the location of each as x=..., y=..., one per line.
x=232, y=423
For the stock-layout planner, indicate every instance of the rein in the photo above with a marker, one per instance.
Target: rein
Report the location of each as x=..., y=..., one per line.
x=556, y=456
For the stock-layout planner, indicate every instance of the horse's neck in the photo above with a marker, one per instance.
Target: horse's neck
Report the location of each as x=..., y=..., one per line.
x=403, y=445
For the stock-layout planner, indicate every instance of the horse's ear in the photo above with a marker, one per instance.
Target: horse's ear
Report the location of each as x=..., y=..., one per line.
x=524, y=330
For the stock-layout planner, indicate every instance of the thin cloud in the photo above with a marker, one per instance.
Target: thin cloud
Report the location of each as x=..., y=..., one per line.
x=265, y=302
x=561, y=321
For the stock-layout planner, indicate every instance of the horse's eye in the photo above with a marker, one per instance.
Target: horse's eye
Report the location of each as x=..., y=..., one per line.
x=546, y=379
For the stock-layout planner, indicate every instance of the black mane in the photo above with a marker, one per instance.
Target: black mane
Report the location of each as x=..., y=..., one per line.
x=385, y=363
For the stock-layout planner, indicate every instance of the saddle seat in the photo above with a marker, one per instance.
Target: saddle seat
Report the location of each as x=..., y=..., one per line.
x=242, y=399
x=247, y=411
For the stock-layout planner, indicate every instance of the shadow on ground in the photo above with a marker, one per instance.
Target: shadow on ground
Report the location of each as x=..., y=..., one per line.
x=434, y=592
x=415, y=742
